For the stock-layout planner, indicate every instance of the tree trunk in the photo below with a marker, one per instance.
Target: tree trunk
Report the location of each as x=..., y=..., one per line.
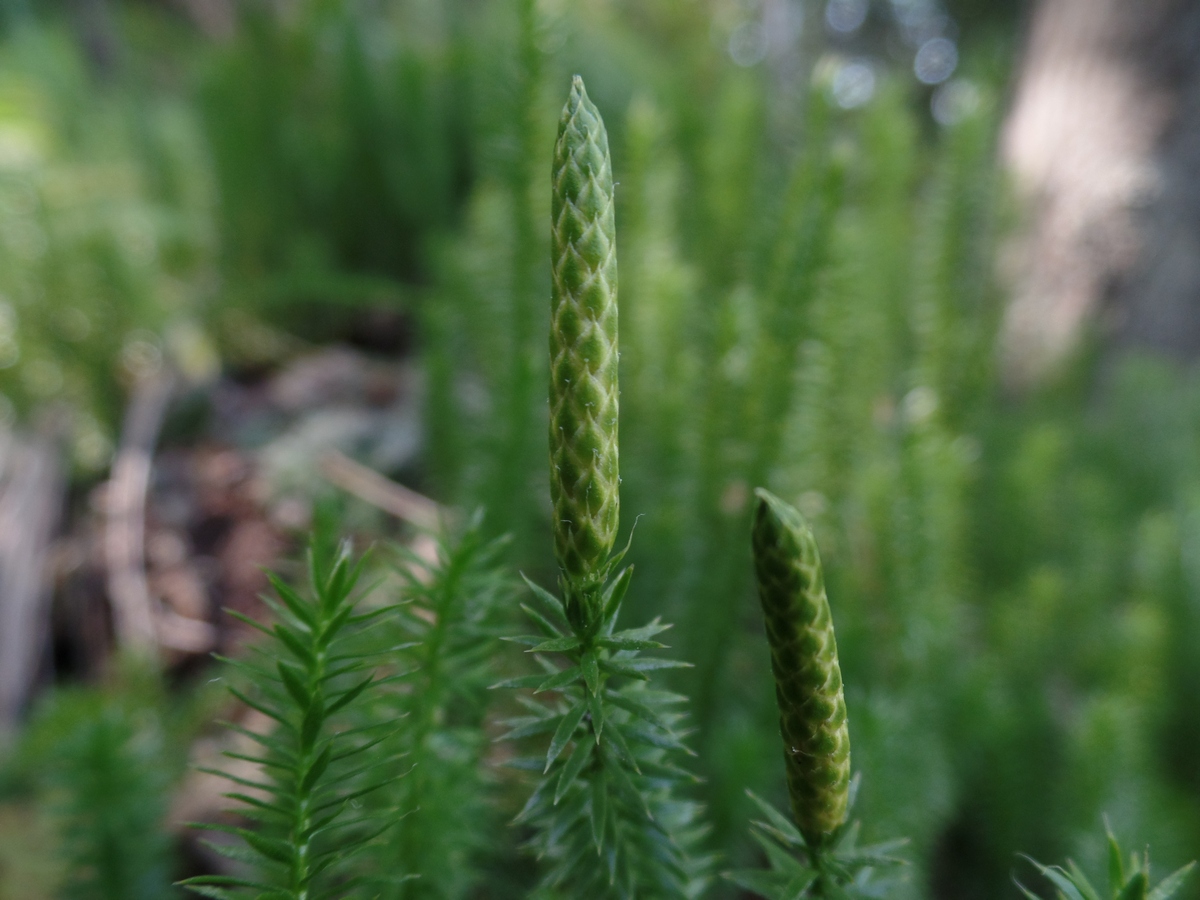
x=1103, y=141
x=31, y=496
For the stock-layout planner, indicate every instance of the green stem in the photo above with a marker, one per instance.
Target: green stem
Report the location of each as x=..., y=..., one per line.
x=509, y=481
x=429, y=701
x=301, y=833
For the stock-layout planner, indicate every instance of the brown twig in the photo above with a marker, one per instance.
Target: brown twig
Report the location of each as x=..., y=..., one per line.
x=368, y=485
x=125, y=519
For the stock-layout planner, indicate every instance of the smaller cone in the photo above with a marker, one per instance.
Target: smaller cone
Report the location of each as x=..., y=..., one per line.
x=808, y=679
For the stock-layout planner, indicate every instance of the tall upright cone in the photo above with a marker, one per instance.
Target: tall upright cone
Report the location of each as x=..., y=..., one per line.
x=583, y=344
x=808, y=679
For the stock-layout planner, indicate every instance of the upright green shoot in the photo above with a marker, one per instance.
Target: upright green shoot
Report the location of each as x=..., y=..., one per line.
x=102, y=760
x=606, y=818
x=812, y=720
x=305, y=830
x=1130, y=882
x=447, y=626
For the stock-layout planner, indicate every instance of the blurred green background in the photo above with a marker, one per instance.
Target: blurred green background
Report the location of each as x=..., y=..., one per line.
x=323, y=224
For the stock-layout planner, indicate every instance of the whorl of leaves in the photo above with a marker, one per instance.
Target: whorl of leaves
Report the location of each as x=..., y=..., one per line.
x=304, y=827
x=836, y=868
x=1132, y=883
x=606, y=814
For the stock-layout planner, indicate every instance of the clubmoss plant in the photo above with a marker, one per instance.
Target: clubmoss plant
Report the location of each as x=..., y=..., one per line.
x=447, y=627
x=306, y=829
x=516, y=448
x=102, y=759
x=1132, y=883
x=606, y=817
x=812, y=721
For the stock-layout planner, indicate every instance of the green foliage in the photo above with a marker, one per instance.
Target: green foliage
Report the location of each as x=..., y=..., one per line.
x=486, y=316
x=304, y=803
x=102, y=765
x=107, y=237
x=446, y=632
x=335, y=150
x=807, y=302
x=1132, y=883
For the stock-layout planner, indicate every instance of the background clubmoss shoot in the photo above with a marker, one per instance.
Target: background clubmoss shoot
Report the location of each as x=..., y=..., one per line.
x=583, y=343
x=808, y=680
